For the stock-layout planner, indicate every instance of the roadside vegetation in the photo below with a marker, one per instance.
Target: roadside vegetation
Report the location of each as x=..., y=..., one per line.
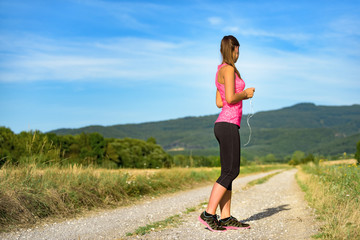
x=46, y=176
x=333, y=190
x=29, y=193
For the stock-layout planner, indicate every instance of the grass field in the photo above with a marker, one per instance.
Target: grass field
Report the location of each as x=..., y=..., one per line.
x=334, y=191
x=30, y=194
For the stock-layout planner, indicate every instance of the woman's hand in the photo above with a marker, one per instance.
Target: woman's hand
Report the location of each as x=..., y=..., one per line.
x=249, y=92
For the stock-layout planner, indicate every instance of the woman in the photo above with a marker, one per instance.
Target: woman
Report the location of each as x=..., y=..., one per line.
x=229, y=95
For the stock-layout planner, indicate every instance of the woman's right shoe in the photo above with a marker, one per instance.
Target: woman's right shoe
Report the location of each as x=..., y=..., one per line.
x=211, y=222
x=232, y=223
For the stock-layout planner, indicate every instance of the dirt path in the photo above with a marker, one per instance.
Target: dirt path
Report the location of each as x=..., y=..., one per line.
x=275, y=210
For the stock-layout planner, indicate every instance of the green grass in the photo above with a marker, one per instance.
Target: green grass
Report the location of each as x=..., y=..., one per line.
x=334, y=191
x=259, y=181
x=345, y=179
x=263, y=168
x=171, y=221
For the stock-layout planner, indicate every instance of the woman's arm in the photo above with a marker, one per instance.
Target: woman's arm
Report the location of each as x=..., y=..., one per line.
x=219, y=102
x=229, y=81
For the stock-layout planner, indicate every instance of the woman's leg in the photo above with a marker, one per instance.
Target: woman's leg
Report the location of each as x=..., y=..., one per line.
x=225, y=204
x=229, y=141
x=228, y=137
x=216, y=196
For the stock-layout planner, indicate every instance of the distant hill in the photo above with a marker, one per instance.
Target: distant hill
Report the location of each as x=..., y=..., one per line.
x=326, y=130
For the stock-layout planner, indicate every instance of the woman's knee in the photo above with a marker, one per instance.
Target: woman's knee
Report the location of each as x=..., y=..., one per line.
x=236, y=173
x=231, y=174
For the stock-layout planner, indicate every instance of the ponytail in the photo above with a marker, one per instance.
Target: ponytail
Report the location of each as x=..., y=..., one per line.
x=227, y=48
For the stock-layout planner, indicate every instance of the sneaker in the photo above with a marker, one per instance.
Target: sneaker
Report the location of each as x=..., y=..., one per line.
x=233, y=223
x=211, y=222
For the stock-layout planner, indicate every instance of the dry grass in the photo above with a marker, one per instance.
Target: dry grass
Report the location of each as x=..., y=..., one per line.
x=336, y=162
x=338, y=211
x=29, y=194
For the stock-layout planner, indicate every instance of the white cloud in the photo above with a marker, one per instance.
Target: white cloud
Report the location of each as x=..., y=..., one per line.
x=122, y=59
x=251, y=32
x=300, y=77
x=346, y=25
x=215, y=20
x=232, y=29
x=127, y=14
x=185, y=63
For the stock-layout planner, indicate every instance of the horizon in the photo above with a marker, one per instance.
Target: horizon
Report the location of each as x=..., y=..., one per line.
x=174, y=119
x=70, y=64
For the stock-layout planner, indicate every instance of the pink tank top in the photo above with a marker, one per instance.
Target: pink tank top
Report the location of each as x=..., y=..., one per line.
x=230, y=113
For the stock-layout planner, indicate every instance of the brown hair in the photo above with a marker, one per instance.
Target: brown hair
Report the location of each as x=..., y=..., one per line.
x=227, y=48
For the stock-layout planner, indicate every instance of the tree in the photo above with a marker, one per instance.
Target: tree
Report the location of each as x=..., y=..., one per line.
x=297, y=157
x=135, y=153
x=111, y=154
x=357, y=154
x=270, y=158
x=308, y=158
x=151, y=140
x=244, y=161
x=180, y=161
x=97, y=144
x=8, y=146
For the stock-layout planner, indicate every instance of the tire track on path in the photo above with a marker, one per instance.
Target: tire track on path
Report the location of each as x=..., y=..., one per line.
x=114, y=224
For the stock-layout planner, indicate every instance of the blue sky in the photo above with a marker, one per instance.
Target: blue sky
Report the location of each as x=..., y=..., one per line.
x=91, y=62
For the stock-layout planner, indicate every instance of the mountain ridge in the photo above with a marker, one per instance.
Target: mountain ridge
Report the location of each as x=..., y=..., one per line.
x=304, y=126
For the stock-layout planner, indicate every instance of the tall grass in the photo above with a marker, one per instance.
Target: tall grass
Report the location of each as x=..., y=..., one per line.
x=334, y=191
x=29, y=193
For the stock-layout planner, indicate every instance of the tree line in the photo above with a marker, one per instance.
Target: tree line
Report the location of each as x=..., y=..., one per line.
x=35, y=147
x=85, y=149
x=90, y=149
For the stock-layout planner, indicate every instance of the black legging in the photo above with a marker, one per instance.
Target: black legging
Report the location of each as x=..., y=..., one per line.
x=228, y=137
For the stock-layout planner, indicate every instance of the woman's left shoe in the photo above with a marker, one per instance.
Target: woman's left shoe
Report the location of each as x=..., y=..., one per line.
x=233, y=223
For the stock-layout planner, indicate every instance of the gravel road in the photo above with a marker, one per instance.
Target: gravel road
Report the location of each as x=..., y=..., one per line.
x=275, y=210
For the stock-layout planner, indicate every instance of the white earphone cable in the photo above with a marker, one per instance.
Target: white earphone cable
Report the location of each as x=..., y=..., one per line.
x=248, y=119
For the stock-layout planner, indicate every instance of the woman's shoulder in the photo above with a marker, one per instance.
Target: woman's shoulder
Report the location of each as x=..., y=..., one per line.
x=227, y=68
